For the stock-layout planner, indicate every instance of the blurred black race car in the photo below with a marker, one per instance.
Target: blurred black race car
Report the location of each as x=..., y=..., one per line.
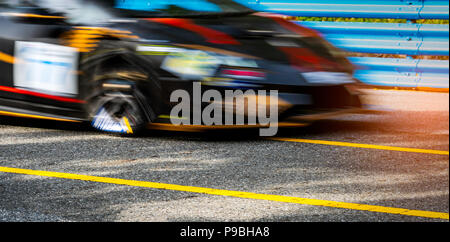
x=116, y=63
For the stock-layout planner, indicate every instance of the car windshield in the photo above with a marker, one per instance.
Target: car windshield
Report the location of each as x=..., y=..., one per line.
x=138, y=8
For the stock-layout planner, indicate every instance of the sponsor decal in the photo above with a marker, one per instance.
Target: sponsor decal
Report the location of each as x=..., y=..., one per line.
x=324, y=77
x=46, y=68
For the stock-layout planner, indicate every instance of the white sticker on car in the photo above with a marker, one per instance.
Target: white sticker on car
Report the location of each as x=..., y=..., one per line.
x=47, y=68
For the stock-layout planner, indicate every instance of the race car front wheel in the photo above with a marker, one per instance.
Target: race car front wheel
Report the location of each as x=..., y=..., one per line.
x=117, y=112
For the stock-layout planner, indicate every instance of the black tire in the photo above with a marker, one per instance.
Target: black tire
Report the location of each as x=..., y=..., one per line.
x=114, y=80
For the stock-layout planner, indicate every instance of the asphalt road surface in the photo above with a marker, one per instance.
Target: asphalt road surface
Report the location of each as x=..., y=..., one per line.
x=390, y=167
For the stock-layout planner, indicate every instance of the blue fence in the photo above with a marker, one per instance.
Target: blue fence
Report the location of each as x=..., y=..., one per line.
x=406, y=39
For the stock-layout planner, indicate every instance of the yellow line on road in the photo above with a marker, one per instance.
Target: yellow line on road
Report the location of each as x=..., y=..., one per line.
x=228, y=193
x=366, y=146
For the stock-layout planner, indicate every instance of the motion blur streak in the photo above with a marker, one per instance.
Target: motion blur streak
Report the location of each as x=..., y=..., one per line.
x=21, y=115
x=85, y=38
x=37, y=94
x=28, y=15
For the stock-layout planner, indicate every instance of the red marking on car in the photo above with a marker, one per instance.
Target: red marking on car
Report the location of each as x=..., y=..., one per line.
x=211, y=35
x=243, y=73
x=42, y=95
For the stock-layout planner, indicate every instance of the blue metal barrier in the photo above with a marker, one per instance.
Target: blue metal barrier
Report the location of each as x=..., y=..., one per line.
x=395, y=72
x=399, y=9
x=386, y=38
x=408, y=39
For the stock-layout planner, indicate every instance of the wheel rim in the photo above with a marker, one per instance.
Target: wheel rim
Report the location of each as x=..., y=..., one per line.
x=117, y=114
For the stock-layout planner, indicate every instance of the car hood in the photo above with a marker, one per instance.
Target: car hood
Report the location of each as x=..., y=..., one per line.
x=260, y=36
